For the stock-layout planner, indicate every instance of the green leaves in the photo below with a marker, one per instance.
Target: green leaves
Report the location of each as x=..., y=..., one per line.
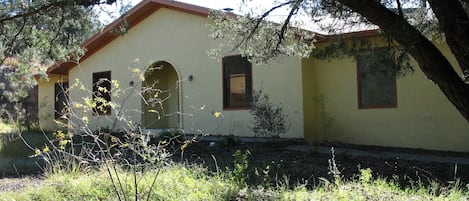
x=261, y=41
x=269, y=118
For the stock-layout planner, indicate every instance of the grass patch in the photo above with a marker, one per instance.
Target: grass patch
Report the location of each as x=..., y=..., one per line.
x=15, y=155
x=173, y=183
x=176, y=182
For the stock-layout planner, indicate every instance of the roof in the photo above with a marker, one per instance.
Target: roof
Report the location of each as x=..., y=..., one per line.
x=137, y=14
x=141, y=11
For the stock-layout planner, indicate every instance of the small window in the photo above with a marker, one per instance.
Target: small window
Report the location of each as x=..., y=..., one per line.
x=102, y=93
x=61, y=99
x=237, y=79
x=376, y=79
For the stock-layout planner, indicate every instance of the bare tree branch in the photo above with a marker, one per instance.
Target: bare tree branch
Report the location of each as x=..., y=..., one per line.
x=287, y=21
x=399, y=7
x=259, y=20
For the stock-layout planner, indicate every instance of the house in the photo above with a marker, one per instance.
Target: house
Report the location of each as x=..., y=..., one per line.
x=165, y=48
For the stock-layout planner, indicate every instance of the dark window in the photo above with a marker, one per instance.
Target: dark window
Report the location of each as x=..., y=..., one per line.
x=237, y=79
x=61, y=99
x=102, y=93
x=376, y=79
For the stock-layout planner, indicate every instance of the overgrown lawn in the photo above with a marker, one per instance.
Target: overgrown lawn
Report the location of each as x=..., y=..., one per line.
x=181, y=182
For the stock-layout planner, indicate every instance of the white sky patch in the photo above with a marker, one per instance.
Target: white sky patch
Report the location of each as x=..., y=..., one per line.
x=254, y=7
x=108, y=13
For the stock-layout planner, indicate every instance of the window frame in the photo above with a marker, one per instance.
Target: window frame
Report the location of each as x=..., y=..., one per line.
x=248, y=82
x=108, y=110
x=359, y=88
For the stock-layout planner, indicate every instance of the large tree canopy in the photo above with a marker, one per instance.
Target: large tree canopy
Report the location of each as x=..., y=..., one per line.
x=34, y=34
x=410, y=25
x=46, y=29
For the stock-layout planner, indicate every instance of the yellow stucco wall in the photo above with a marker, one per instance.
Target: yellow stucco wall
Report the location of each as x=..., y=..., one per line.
x=423, y=118
x=182, y=40
x=46, y=101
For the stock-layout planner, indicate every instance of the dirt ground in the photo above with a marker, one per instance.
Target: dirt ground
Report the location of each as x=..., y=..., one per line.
x=272, y=162
x=268, y=161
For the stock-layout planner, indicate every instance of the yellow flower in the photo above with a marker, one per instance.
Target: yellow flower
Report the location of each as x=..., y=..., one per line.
x=59, y=134
x=88, y=102
x=116, y=83
x=37, y=152
x=114, y=139
x=45, y=149
x=63, y=143
x=217, y=114
x=85, y=119
x=186, y=143
x=78, y=105
x=136, y=70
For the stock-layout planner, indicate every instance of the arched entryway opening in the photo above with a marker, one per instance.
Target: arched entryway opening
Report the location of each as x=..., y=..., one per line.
x=160, y=97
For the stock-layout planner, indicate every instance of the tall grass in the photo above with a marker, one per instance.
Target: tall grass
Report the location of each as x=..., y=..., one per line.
x=175, y=182
x=16, y=152
x=183, y=182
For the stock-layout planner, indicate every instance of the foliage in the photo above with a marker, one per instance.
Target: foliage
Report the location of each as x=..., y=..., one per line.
x=113, y=141
x=326, y=119
x=7, y=127
x=269, y=118
x=33, y=36
x=15, y=154
x=240, y=166
x=354, y=46
x=175, y=182
x=79, y=146
x=236, y=33
x=408, y=26
x=196, y=183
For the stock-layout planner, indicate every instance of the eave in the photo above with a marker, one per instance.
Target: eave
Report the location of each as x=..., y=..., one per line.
x=132, y=18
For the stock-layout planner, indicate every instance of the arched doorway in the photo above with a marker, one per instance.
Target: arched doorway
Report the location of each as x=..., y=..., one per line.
x=160, y=97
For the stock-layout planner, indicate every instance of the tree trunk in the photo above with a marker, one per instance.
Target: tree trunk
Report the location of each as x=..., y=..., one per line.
x=454, y=22
x=431, y=61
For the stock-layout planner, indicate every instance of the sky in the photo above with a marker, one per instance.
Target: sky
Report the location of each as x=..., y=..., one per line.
x=257, y=7
x=111, y=13
x=214, y=4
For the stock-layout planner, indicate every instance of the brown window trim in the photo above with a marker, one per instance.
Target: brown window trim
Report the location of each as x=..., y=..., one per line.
x=384, y=106
x=236, y=108
x=377, y=106
x=228, y=108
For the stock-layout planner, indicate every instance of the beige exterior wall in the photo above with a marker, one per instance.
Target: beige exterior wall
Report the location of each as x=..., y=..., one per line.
x=46, y=101
x=182, y=40
x=424, y=118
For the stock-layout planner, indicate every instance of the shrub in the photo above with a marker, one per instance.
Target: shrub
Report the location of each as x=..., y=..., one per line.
x=269, y=118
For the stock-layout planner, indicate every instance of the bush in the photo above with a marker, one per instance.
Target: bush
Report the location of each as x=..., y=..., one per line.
x=269, y=118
